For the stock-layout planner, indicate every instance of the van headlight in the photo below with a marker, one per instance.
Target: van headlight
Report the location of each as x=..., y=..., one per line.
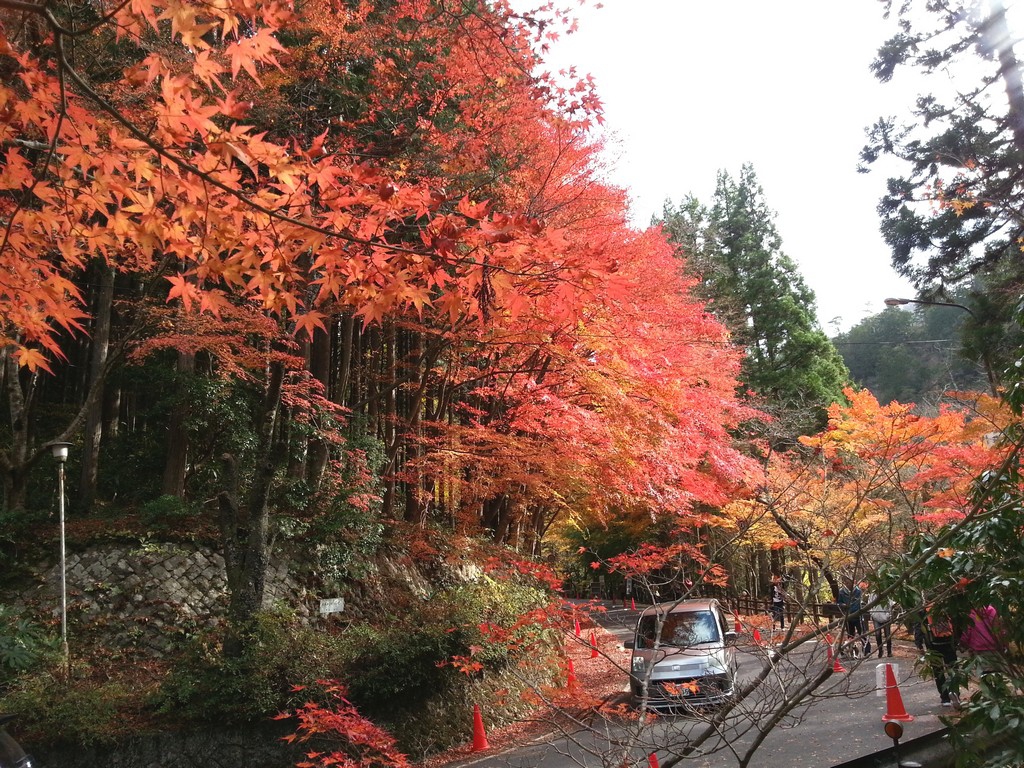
x=639, y=665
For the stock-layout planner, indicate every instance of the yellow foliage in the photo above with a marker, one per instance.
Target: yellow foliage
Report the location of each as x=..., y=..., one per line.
x=874, y=475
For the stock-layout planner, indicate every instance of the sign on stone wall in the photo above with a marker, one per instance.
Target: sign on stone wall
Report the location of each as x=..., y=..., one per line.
x=332, y=605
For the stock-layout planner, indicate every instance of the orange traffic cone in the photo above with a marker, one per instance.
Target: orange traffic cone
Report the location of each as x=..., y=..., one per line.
x=570, y=680
x=836, y=665
x=479, y=737
x=593, y=645
x=894, y=709
x=652, y=761
x=757, y=636
x=632, y=603
x=737, y=626
x=577, y=622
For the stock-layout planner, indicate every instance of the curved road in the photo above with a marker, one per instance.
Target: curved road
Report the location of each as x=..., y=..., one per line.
x=843, y=721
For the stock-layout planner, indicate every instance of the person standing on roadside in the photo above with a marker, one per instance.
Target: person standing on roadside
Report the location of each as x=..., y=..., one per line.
x=778, y=602
x=881, y=618
x=849, y=600
x=940, y=640
x=918, y=629
x=982, y=638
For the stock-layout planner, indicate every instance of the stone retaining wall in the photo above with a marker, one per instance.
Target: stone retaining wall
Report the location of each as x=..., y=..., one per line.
x=145, y=596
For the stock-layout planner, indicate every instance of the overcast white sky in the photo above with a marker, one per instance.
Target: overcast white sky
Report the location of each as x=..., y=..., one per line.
x=691, y=87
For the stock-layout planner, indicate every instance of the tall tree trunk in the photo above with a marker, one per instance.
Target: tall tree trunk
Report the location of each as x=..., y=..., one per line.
x=415, y=496
x=495, y=516
x=176, y=466
x=93, y=437
x=245, y=530
x=346, y=346
x=14, y=458
x=388, y=427
x=22, y=452
x=504, y=529
x=317, y=452
x=1009, y=69
x=111, y=409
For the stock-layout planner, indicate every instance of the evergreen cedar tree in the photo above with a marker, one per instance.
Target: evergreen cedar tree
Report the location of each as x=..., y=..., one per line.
x=952, y=220
x=733, y=248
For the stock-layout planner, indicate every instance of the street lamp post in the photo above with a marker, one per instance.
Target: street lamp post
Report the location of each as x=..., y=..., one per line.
x=900, y=302
x=60, y=453
x=989, y=372
x=894, y=731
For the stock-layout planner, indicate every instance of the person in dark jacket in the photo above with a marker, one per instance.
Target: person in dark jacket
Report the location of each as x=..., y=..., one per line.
x=849, y=600
x=940, y=640
x=778, y=602
x=918, y=630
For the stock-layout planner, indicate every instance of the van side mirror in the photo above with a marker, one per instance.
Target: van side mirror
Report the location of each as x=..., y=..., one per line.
x=731, y=637
x=628, y=645
x=11, y=753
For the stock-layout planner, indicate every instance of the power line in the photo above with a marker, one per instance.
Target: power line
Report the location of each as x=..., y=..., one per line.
x=919, y=341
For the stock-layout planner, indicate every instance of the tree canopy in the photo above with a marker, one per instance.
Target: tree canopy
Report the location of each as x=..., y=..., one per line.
x=364, y=251
x=951, y=212
x=913, y=356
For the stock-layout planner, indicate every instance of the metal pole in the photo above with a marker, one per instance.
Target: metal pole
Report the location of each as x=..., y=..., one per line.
x=63, y=572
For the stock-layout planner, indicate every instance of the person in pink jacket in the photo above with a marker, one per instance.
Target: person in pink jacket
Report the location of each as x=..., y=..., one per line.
x=982, y=638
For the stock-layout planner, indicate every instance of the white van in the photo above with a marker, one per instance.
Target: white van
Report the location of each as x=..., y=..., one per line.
x=691, y=662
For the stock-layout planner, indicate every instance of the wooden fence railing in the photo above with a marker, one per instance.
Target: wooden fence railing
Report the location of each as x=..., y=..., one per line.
x=816, y=612
x=748, y=606
x=743, y=604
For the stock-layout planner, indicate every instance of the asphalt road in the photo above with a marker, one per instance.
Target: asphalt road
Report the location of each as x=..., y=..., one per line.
x=840, y=722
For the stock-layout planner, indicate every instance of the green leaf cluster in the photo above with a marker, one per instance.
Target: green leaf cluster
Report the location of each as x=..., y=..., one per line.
x=23, y=644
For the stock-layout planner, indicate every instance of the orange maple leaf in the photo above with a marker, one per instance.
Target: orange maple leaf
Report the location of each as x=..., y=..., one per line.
x=33, y=359
x=308, y=322
x=247, y=52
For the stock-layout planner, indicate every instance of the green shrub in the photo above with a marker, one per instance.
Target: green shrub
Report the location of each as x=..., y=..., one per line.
x=165, y=508
x=398, y=668
x=167, y=516
x=20, y=542
x=279, y=654
x=23, y=645
x=345, y=519
x=499, y=604
x=404, y=663
x=401, y=675
x=80, y=712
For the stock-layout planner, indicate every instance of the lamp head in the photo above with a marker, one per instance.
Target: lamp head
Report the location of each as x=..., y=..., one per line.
x=60, y=451
x=893, y=730
x=896, y=302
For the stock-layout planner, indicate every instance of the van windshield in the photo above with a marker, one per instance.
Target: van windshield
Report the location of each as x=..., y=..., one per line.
x=680, y=629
